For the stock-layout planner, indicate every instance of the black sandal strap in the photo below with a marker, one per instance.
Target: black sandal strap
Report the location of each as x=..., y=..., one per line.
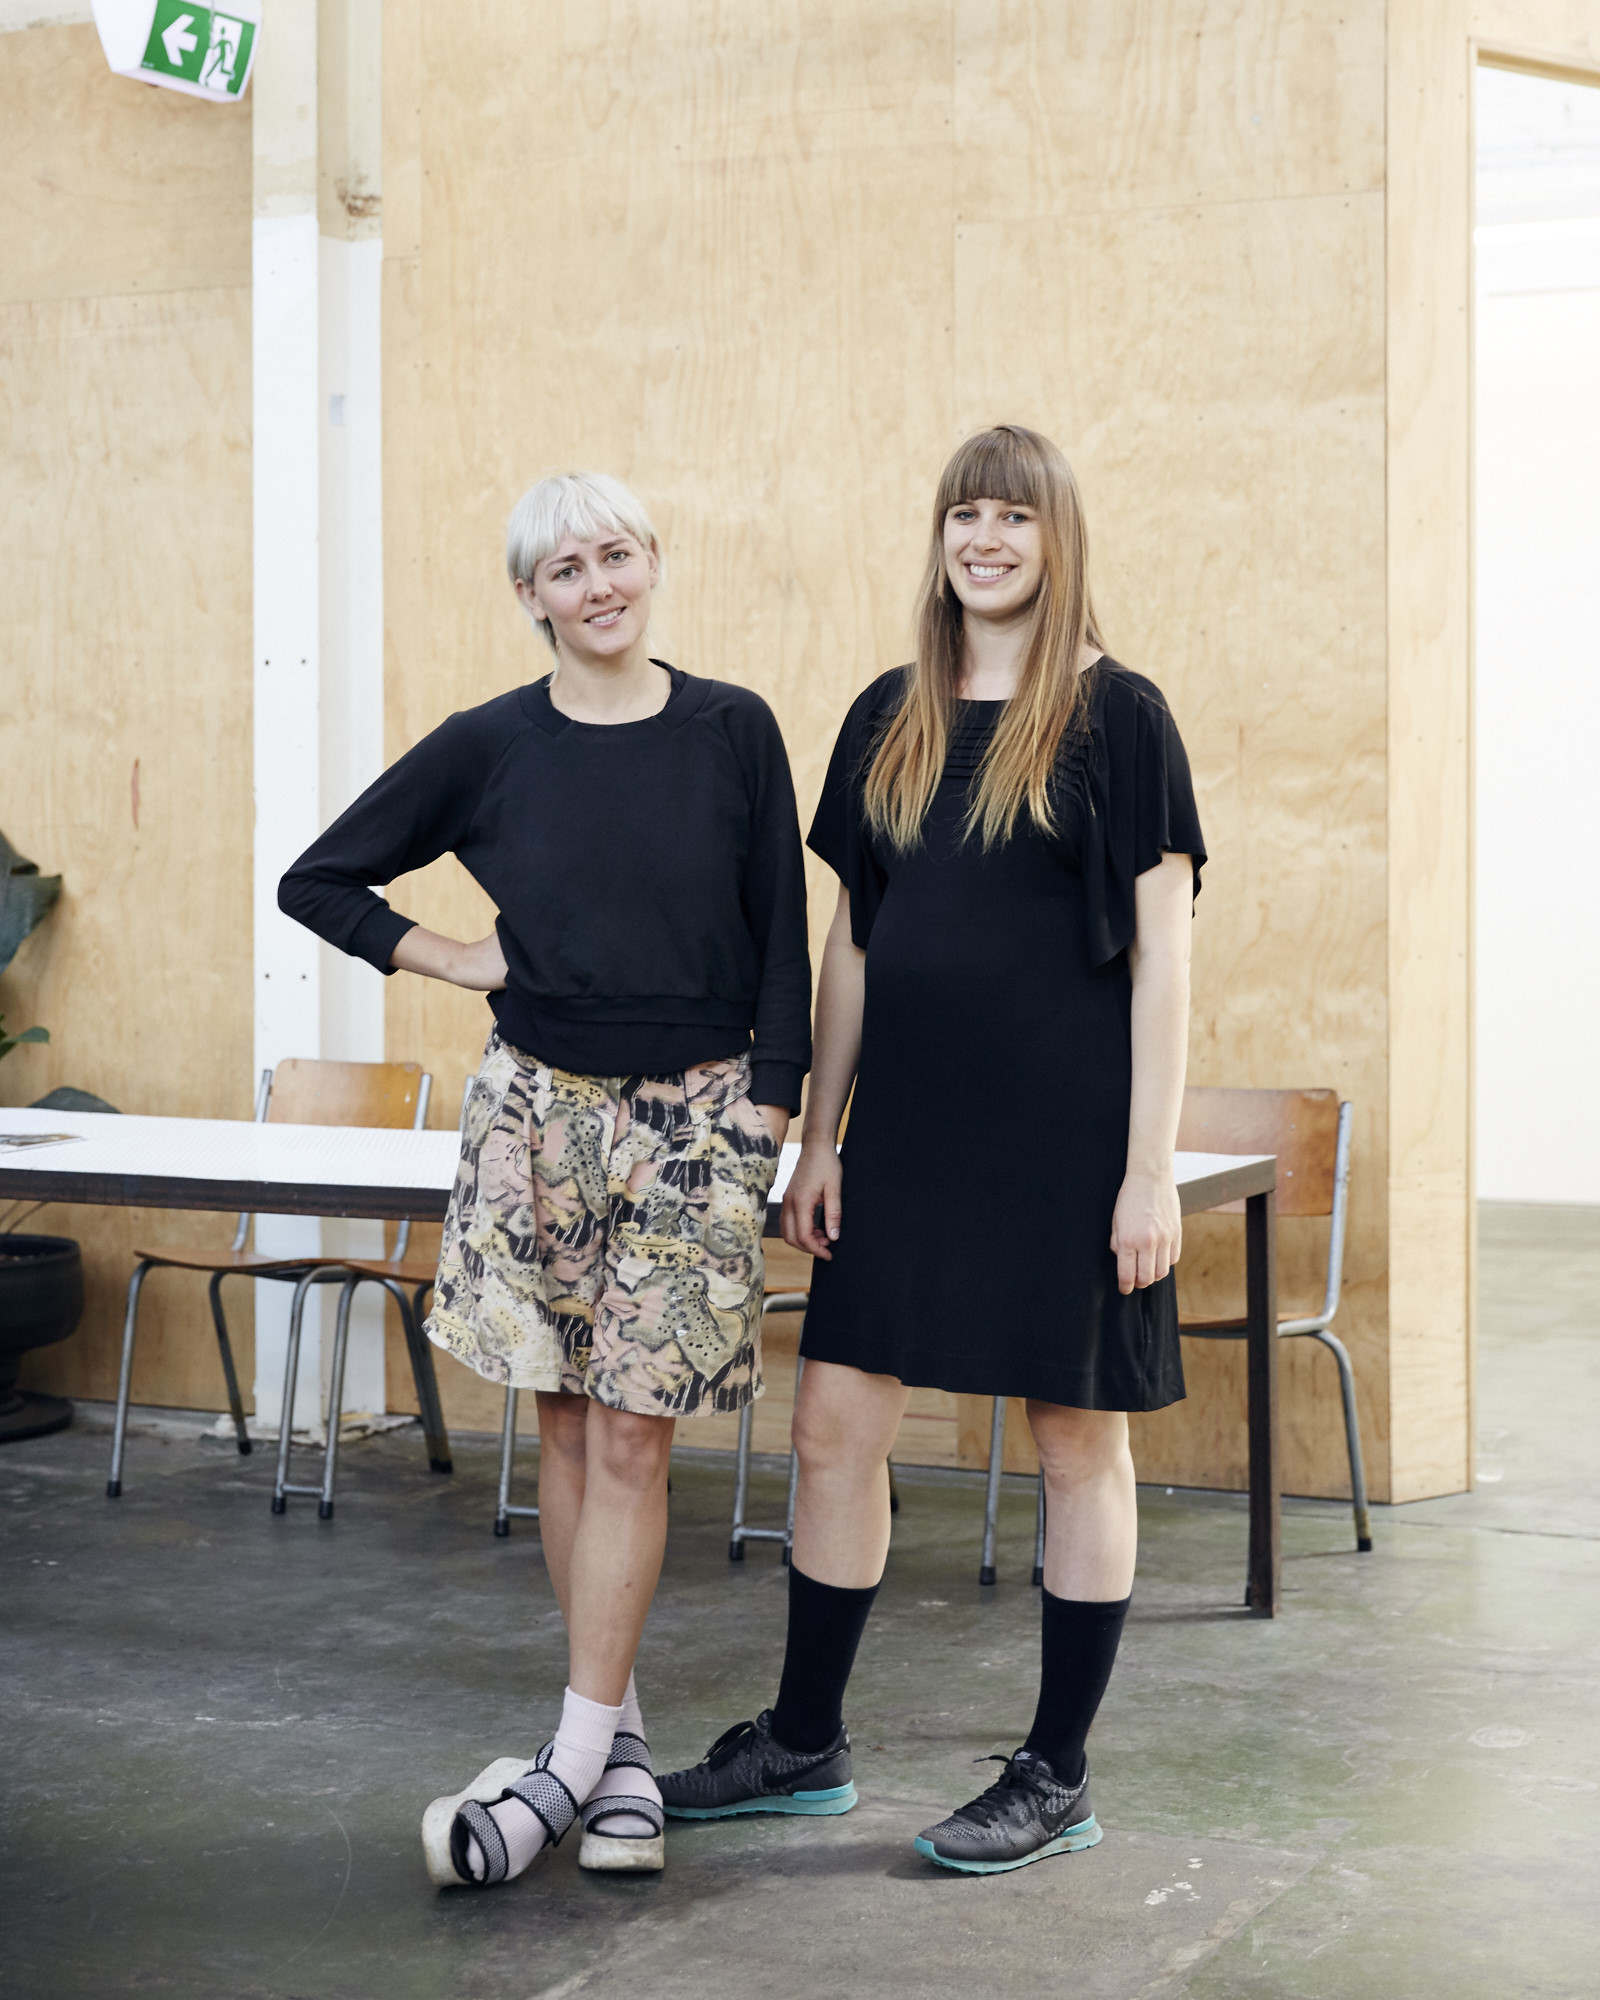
x=614, y=1805
x=628, y=1752
x=472, y=1818
x=548, y=1799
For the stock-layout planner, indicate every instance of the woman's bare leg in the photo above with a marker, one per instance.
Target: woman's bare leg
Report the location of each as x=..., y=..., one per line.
x=1091, y=1505
x=844, y=1429
x=614, y=1560
x=563, y=1438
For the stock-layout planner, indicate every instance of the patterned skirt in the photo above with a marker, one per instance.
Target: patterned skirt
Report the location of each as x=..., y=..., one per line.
x=604, y=1235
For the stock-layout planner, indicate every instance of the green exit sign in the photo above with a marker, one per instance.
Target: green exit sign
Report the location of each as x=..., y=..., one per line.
x=201, y=51
x=201, y=45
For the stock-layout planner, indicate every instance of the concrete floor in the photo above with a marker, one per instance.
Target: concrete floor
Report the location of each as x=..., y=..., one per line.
x=221, y=1728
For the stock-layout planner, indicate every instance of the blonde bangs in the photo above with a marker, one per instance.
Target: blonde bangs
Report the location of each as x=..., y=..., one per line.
x=1050, y=705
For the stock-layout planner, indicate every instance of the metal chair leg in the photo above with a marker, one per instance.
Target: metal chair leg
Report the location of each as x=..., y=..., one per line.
x=739, y=1532
x=741, y=1485
x=504, y=1512
x=420, y=1349
x=991, y=1495
x=230, y=1374
x=508, y=1444
x=787, y=1551
x=341, y=1344
x=1038, y=1541
x=1352, y=1439
x=119, y=1431
x=894, y=1490
x=291, y=1369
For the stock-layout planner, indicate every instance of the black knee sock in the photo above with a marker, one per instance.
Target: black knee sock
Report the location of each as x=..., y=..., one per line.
x=825, y=1627
x=1080, y=1649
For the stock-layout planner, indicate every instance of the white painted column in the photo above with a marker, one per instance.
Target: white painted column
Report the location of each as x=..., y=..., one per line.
x=318, y=594
x=351, y=695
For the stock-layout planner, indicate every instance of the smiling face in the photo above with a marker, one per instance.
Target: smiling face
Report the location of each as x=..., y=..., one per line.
x=595, y=595
x=993, y=556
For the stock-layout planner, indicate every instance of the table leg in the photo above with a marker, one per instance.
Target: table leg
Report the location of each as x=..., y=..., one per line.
x=1266, y=1471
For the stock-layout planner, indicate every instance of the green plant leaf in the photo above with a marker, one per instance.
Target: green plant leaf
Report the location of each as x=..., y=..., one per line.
x=25, y=896
x=9, y=1042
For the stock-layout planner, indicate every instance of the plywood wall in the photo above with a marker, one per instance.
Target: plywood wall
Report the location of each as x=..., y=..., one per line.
x=770, y=263
x=775, y=268
x=125, y=690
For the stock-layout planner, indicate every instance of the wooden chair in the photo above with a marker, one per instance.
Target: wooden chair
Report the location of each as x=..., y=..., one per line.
x=298, y=1092
x=408, y=1280
x=785, y=1302
x=1309, y=1131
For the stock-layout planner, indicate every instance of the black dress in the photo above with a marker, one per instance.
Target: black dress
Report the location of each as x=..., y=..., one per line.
x=988, y=1133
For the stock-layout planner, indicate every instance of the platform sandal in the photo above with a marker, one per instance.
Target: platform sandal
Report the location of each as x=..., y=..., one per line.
x=450, y=1822
x=619, y=1851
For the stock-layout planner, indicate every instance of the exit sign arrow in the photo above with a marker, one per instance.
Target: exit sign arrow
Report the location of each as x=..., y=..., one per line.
x=185, y=45
x=177, y=40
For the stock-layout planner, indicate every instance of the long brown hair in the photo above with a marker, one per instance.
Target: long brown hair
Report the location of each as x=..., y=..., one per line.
x=1051, y=702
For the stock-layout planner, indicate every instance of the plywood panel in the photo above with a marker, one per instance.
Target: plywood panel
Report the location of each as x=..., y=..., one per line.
x=1216, y=373
x=750, y=323
x=1106, y=105
x=1429, y=803
x=799, y=254
x=112, y=186
x=1565, y=34
x=124, y=736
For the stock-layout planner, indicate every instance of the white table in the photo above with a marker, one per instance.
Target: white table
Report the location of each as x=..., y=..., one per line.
x=220, y=1163
x=223, y=1163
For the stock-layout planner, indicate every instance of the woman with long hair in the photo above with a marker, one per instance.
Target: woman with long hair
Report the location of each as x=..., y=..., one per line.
x=1003, y=1006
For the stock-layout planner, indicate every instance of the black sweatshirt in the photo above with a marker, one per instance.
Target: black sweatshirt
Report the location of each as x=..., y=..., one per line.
x=648, y=875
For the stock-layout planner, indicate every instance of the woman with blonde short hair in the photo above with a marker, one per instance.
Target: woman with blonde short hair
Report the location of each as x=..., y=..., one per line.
x=635, y=827
x=1005, y=989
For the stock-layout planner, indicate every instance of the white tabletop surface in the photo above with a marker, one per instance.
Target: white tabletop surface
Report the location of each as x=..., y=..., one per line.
x=1189, y=1166
x=232, y=1149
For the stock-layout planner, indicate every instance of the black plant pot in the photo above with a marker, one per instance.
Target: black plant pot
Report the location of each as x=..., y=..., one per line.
x=41, y=1301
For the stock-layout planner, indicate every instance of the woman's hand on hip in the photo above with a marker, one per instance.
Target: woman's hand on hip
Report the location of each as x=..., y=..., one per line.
x=1146, y=1230
x=817, y=1182
x=776, y=1119
x=481, y=966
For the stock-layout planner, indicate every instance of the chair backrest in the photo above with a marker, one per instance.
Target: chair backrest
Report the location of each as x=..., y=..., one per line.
x=310, y=1092
x=1300, y=1126
x=305, y=1090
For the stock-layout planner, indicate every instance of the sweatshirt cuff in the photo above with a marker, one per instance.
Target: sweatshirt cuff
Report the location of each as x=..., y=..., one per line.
x=776, y=1083
x=377, y=934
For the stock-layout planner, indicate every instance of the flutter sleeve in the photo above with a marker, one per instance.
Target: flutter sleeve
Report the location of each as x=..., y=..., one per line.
x=839, y=832
x=1141, y=806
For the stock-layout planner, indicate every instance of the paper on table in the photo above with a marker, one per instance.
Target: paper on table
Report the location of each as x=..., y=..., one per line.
x=12, y=1141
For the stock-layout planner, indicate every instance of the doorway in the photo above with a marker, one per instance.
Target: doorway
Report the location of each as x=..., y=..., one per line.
x=1537, y=575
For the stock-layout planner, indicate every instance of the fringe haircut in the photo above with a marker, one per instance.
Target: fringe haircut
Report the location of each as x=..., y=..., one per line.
x=585, y=505
x=1051, y=703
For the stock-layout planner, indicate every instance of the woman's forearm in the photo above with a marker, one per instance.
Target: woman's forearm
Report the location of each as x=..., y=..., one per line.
x=1160, y=1018
x=841, y=994
x=480, y=966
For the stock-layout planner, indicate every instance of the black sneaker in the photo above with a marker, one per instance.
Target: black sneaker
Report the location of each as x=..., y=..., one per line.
x=748, y=1770
x=1025, y=1814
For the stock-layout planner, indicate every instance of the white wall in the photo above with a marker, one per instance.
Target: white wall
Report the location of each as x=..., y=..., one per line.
x=1538, y=640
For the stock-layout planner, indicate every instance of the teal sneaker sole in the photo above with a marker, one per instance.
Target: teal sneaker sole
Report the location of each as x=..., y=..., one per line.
x=838, y=1799
x=1087, y=1833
